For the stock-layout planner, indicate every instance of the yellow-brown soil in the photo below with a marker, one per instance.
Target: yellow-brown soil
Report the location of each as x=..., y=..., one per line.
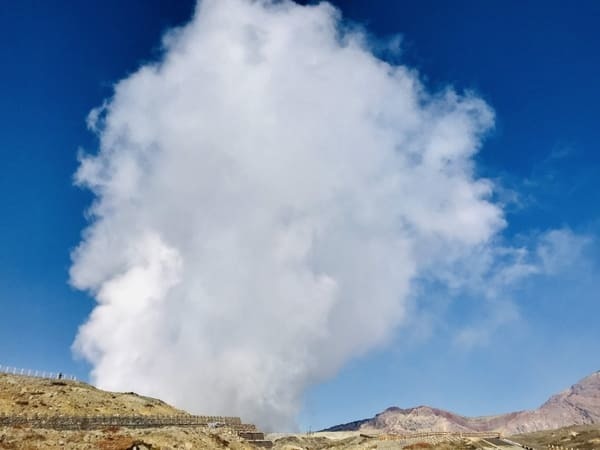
x=21, y=395
x=29, y=395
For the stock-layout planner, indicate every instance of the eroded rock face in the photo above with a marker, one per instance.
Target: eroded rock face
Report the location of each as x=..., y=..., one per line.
x=585, y=396
x=578, y=405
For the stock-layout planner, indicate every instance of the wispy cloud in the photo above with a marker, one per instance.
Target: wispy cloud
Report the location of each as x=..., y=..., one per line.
x=497, y=273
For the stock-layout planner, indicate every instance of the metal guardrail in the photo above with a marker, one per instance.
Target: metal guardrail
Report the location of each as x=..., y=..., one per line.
x=62, y=422
x=36, y=373
x=458, y=434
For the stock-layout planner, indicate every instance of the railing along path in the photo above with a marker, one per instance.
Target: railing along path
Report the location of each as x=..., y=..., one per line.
x=36, y=373
x=63, y=422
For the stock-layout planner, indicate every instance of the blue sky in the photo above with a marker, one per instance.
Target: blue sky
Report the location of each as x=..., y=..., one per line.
x=535, y=63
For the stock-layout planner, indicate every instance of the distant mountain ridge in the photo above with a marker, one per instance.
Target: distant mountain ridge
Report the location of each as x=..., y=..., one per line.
x=578, y=405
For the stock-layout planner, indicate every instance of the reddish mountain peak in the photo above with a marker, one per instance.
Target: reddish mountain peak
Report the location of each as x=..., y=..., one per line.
x=580, y=404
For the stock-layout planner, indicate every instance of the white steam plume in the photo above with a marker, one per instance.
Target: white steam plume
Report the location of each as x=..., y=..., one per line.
x=265, y=194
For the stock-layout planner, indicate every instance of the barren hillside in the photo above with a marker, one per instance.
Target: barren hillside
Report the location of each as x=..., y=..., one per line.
x=583, y=437
x=578, y=405
x=29, y=395
x=22, y=396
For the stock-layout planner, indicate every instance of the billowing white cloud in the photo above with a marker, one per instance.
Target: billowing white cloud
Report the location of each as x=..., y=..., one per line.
x=266, y=194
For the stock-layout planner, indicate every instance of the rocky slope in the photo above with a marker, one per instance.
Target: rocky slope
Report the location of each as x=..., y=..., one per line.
x=115, y=438
x=578, y=405
x=28, y=396
x=576, y=437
